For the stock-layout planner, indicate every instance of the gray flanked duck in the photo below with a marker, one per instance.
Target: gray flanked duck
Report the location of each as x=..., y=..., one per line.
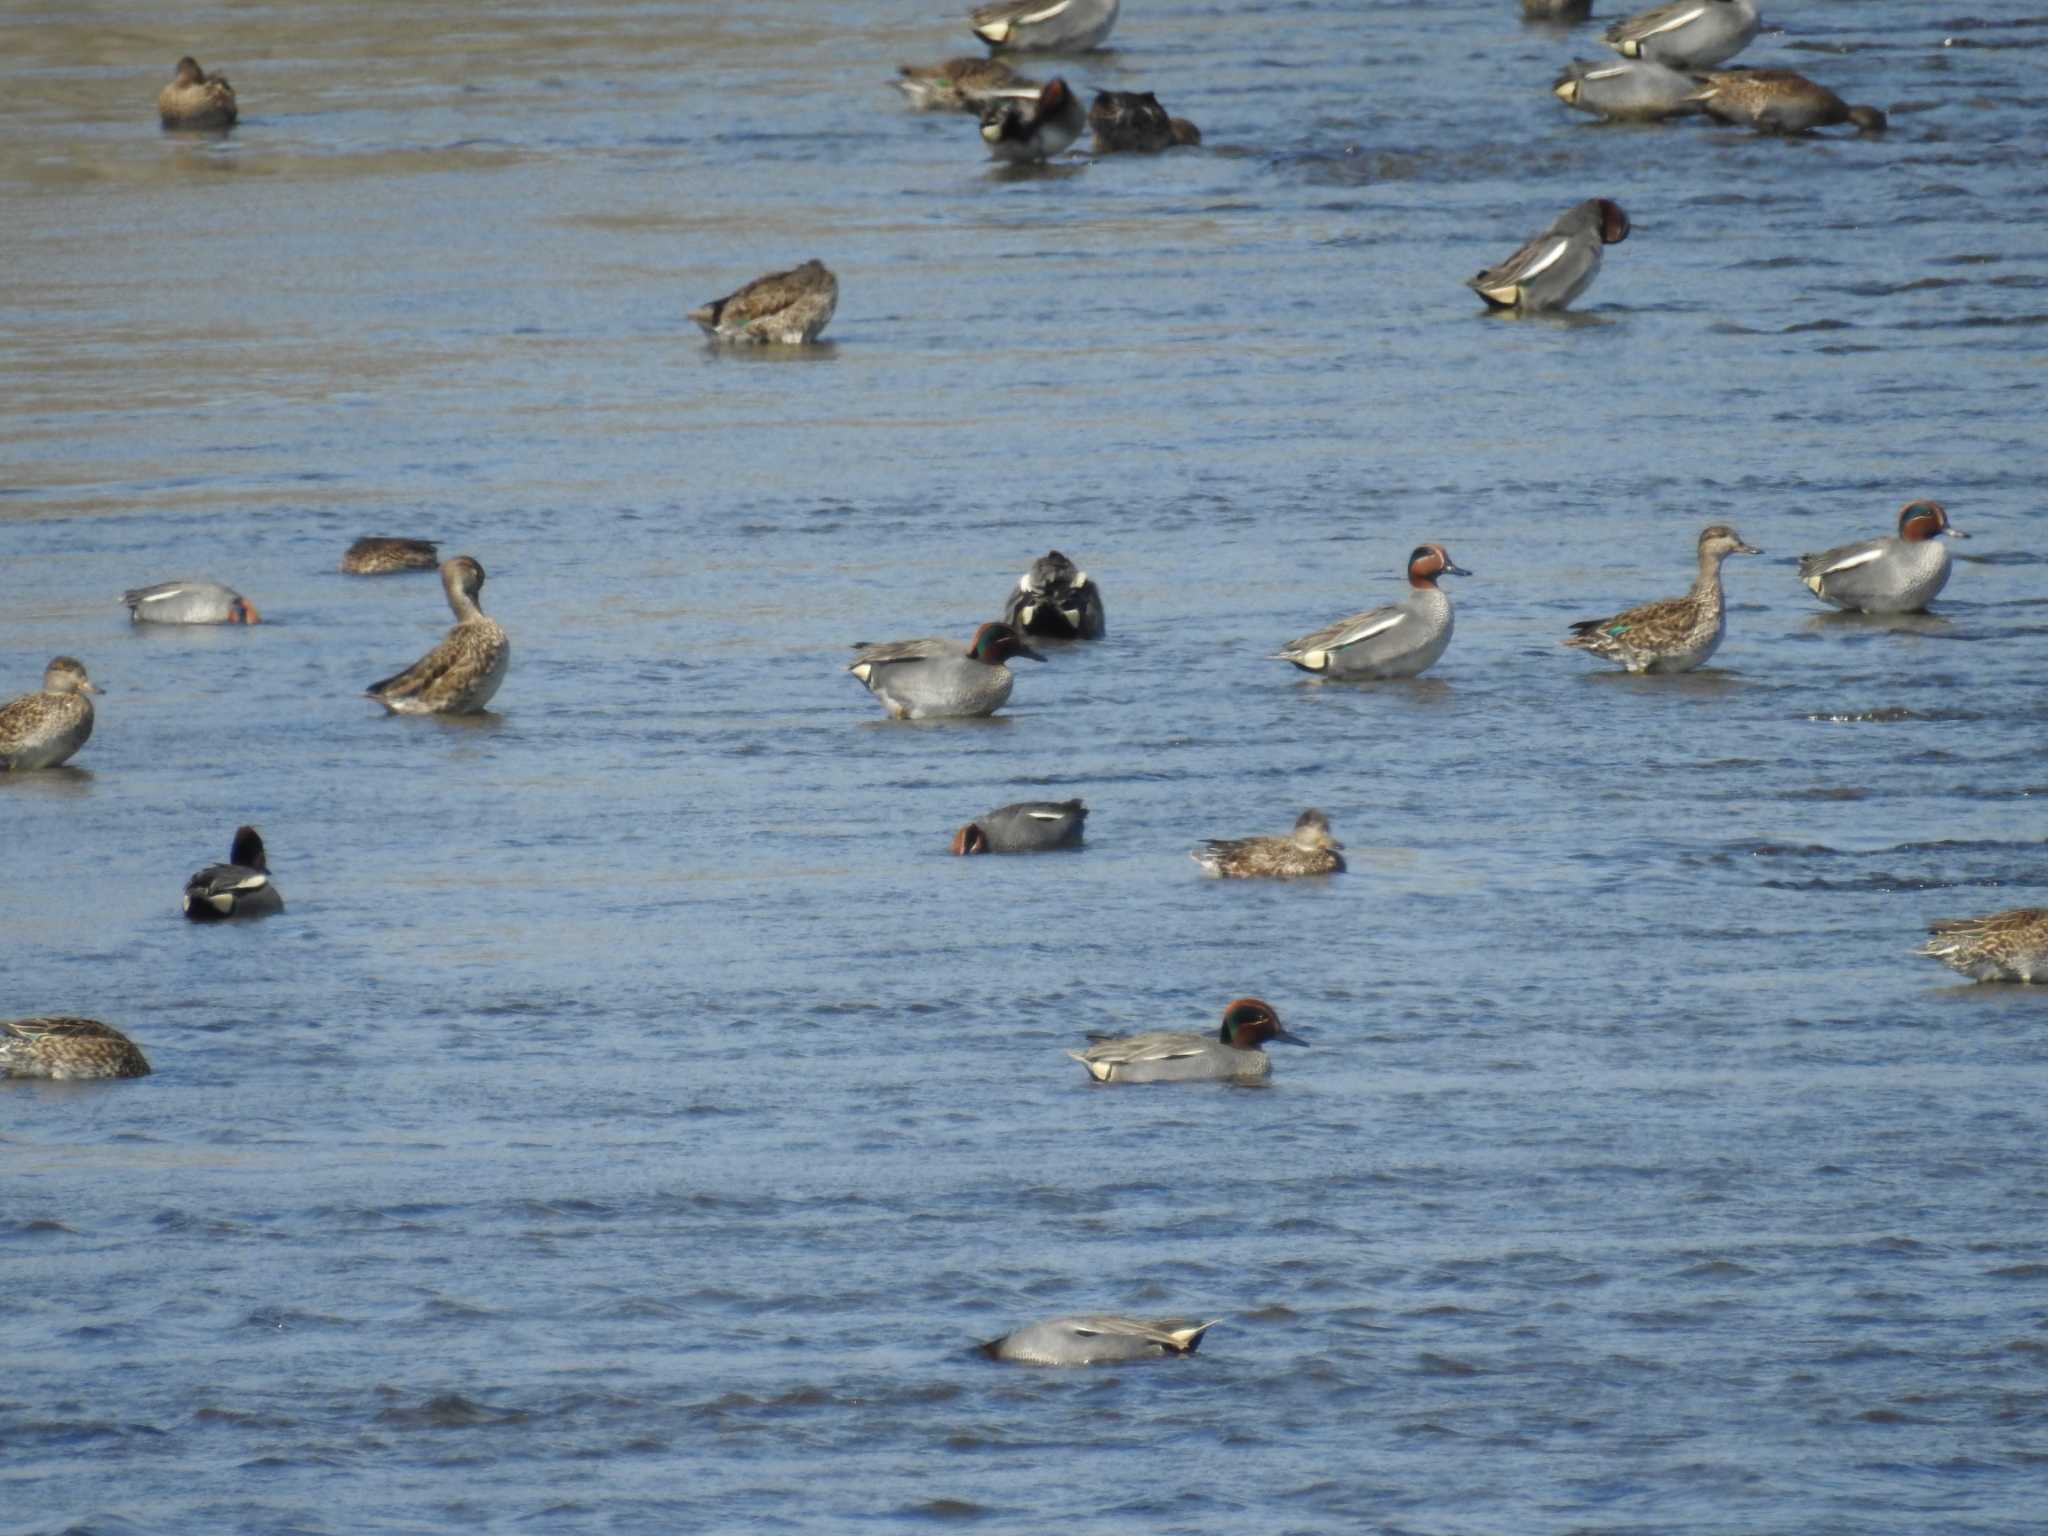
x=1044, y=26
x=1133, y=123
x=1026, y=130
x=786, y=308
x=1673, y=634
x=1098, y=1340
x=195, y=99
x=1400, y=640
x=1687, y=34
x=239, y=888
x=1888, y=575
x=1780, y=101
x=372, y=556
x=1029, y=826
x=958, y=85
x=1235, y=1053
x=1627, y=90
x=2005, y=946
x=42, y=730
x=67, y=1049
x=1557, y=265
x=934, y=679
x=188, y=602
x=1056, y=599
x=1309, y=849
x=461, y=674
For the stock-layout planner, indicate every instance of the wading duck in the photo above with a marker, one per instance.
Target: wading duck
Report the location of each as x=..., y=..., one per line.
x=2006, y=946
x=1627, y=90
x=195, y=99
x=936, y=680
x=1029, y=826
x=1133, y=122
x=1233, y=1054
x=1888, y=575
x=1399, y=640
x=239, y=888
x=458, y=676
x=958, y=85
x=1044, y=26
x=41, y=730
x=789, y=308
x=67, y=1049
x=1687, y=34
x=1556, y=10
x=1308, y=850
x=188, y=602
x=1780, y=101
x=379, y=557
x=1024, y=131
x=1057, y=600
x=1097, y=1340
x=1673, y=634
x=1556, y=266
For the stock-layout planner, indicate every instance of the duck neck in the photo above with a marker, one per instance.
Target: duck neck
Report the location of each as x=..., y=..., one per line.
x=464, y=605
x=1706, y=587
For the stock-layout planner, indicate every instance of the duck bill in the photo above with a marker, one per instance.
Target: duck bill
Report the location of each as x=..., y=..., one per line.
x=1289, y=1036
x=1745, y=549
x=1955, y=533
x=1454, y=570
x=1025, y=650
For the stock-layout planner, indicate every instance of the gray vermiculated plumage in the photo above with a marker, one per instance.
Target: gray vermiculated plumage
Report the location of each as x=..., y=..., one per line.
x=1558, y=265
x=1687, y=34
x=1627, y=90
x=1044, y=26
x=1401, y=639
x=934, y=678
x=1097, y=1340
x=1898, y=574
x=1028, y=826
x=188, y=602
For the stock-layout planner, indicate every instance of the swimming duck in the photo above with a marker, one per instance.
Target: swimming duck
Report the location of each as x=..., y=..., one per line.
x=936, y=680
x=67, y=1049
x=1133, y=122
x=1308, y=850
x=1556, y=10
x=787, y=307
x=1029, y=826
x=195, y=99
x=41, y=730
x=1780, y=101
x=1097, y=1340
x=1023, y=131
x=1556, y=266
x=239, y=888
x=1044, y=26
x=1399, y=640
x=1888, y=575
x=1054, y=598
x=377, y=557
x=1673, y=634
x=1687, y=34
x=1627, y=90
x=958, y=85
x=458, y=676
x=2005, y=946
x=188, y=602
x=1233, y=1054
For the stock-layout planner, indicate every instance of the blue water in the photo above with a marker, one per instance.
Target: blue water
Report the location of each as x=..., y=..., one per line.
x=636, y=1115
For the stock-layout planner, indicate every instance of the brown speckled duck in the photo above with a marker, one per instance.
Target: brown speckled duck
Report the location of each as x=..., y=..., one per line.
x=379, y=557
x=1308, y=850
x=2005, y=946
x=1673, y=634
x=789, y=308
x=458, y=676
x=195, y=99
x=41, y=730
x=1133, y=122
x=1780, y=101
x=958, y=85
x=68, y=1049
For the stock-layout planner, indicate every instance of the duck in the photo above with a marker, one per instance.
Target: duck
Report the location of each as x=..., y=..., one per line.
x=1133, y=122
x=1029, y=826
x=1233, y=1054
x=1057, y=600
x=67, y=1049
x=1097, y=1340
x=1401, y=639
x=2004, y=946
x=1556, y=10
x=195, y=99
x=188, y=602
x=42, y=730
x=1687, y=34
x=460, y=675
x=787, y=308
x=1308, y=850
x=1780, y=101
x=371, y=556
x=1627, y=90
x=934, y=679
x=1044, y=26
x=958, y=85
x=239, y=888
x=1557, y=265
x=1026, y=130
x=1888, y=575
x=1673, y=634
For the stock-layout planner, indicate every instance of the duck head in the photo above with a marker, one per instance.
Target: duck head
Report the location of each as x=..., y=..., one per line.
x=189, y=72
x=1868, y=119
x=1053, y=97
x=1052, y=572
x=1312, y=831
x=1429, y=561
x=970, y=839
x=1614, y=225
x=997, y=643
x=66, y=674
x=1248, y=1024
x=1718, y=541
x=242, y=611
x=1920, y=520
x=247, y=850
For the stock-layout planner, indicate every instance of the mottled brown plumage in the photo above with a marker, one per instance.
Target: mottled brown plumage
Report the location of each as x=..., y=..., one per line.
x=790, y=308
x=1780, y=101
x=958, y=85
x=378, y=556
x=1133, y=122
x=458, y=676
x=43, y=729
x=63, y=1047
x=2005, y=946
x=195, y=99
x=1308, y=850
x=1672, y=634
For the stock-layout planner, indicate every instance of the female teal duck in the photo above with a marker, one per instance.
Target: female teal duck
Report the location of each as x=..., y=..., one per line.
x=1233, y=1054
x=1673, y=634
x=195, y=99
x=1308, y=850
x=239, y=888
x=371, y=556
x=786, y=308
x=2005, y=946
x=460, y=675
x=1780, y=101
x=1098, y=1340
x=41, y=730
x=958, y=85
x=68, y=1049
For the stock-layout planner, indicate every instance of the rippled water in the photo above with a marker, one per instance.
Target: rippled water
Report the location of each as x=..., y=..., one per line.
x=636, y=1114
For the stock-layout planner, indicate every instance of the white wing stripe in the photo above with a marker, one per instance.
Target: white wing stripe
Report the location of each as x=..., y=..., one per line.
x=1550, y=260
x=1853, y=561
x=1045, y=15
x=1366, y=632
x=1677, y=21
